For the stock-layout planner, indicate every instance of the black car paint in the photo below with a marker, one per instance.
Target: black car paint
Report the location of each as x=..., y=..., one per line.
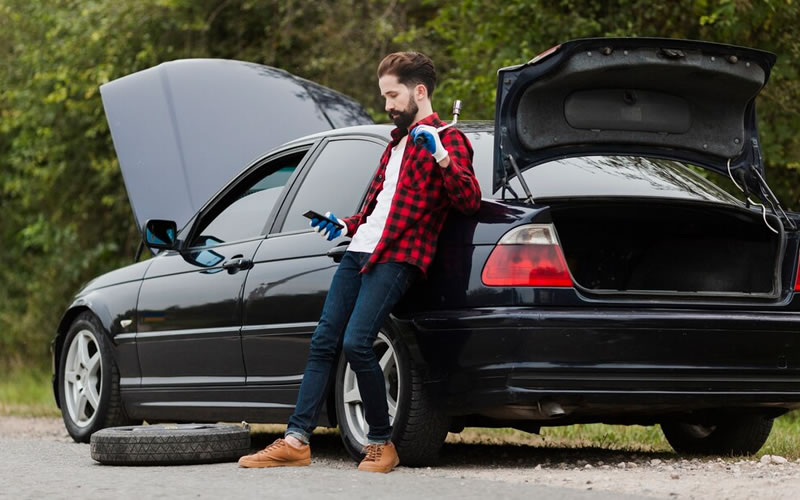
x=193, y=123
x=486, y=350
x=700, y=72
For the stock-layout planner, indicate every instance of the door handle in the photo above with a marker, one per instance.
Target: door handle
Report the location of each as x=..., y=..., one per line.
x=236, y=264
x=336, y=253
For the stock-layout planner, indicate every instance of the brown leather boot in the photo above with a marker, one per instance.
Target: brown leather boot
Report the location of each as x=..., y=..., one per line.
x=278, y=454
x=380, y=458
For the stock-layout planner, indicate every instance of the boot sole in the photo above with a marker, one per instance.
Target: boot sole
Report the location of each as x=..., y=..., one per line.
x=262, y=465
x=380, y=469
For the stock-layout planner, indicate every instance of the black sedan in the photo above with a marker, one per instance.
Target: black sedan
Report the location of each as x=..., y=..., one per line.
x=604, y=279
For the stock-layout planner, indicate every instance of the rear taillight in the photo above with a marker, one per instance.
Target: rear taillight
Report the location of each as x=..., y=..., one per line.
x=527, y=256
x=797, y=276
x=544, y=54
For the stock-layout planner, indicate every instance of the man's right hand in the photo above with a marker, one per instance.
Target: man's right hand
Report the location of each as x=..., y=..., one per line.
x=327, y=229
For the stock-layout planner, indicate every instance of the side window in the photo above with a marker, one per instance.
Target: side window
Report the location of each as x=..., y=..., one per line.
x=336, y=182
x=243, y=214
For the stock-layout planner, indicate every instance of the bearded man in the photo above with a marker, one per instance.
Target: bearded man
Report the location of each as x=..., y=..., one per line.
x=421, y=176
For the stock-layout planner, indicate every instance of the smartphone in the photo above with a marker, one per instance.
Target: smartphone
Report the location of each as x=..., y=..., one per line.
x=316, y=215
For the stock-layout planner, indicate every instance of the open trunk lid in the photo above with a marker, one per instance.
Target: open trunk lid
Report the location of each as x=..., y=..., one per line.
x=184, y=128
x=679, y=99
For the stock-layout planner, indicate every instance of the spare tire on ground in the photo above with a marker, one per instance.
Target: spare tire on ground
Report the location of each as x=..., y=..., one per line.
x=165, y=444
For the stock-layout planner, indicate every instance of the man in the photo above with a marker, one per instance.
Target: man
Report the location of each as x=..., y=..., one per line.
x=394, y=239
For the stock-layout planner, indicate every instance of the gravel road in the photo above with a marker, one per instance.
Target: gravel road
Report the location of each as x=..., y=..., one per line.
x=39, y=460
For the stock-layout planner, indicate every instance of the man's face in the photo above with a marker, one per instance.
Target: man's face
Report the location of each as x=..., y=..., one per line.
x=400, y=103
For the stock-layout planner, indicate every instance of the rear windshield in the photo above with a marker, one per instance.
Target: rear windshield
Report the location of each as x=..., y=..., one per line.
x=606, y=176
x=619, y=176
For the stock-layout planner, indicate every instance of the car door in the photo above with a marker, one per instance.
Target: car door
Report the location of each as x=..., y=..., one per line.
x=286, y=289
x=190, y=312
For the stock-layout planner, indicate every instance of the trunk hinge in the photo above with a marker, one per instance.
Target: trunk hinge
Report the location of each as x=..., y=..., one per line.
x=764, y=193
x=506, y=185
x=510, y=159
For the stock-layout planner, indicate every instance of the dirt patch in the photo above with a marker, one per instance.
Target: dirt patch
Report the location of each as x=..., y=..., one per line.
x=33, y=428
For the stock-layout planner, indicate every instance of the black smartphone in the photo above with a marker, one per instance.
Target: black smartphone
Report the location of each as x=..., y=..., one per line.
x=316, y=215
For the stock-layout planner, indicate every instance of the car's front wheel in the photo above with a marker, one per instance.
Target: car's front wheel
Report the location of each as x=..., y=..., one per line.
x=734, y=435
x=418, y=426
x=88, y=380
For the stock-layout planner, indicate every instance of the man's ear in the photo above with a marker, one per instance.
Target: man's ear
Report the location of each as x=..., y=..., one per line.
x=420, y=92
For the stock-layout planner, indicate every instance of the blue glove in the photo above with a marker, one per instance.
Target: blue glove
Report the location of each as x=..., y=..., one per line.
x=429, y=138
x=327, y=229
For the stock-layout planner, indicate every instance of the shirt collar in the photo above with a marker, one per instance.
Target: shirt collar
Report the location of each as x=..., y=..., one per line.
x=432, y=120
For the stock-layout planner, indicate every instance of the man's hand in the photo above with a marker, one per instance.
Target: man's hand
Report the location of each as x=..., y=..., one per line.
x=325, y=228
x=430, y=141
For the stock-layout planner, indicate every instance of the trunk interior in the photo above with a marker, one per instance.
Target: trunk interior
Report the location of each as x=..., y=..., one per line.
x=674, y=249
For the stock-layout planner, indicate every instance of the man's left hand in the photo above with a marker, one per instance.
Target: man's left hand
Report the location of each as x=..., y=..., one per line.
x=429, y=138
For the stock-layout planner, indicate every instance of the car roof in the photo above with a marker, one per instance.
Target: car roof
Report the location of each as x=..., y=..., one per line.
x=384, y=130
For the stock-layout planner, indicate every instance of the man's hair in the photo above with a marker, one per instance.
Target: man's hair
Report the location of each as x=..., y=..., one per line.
x=410, y=68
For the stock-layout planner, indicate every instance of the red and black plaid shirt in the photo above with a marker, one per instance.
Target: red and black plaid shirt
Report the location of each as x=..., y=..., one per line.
x=425, y=192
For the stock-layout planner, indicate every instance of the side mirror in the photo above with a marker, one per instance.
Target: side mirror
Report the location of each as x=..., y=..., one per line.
x=160, y=234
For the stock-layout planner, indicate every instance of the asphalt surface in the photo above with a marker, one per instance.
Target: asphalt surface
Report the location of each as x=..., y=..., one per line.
x=39, y=460
x=51, y=466
x=36, y=468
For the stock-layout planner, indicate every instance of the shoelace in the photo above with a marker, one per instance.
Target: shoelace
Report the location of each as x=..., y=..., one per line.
x=279, y=443
x=374, y=452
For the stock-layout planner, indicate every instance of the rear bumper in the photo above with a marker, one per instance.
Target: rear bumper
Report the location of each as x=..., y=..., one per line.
x=512, y=363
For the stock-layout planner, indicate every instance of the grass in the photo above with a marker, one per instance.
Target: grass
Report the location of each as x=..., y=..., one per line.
x=29, y=393
x=784, y=439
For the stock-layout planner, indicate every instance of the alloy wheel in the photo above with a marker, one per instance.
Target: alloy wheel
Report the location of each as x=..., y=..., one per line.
x=83, y=378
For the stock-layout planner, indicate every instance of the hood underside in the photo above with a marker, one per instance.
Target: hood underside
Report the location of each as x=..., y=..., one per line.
x=679, y=99
x=184, y=128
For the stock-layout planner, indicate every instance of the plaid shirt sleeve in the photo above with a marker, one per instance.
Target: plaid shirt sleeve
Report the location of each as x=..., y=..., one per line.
x=459, y=179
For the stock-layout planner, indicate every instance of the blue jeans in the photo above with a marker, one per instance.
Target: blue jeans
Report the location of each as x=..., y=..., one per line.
x=357, y=306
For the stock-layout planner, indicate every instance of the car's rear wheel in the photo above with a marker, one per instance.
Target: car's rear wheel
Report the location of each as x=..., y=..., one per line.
x=418, y=427
x=734, y=435
x=88, y=380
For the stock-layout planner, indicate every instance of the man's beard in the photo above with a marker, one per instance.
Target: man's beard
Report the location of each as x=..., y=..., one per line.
x=404, y=119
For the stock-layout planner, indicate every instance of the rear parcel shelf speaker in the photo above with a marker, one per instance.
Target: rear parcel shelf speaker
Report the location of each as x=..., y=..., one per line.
x=627, y=110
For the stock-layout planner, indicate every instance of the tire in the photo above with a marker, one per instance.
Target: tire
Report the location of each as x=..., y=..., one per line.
x=735, y=435
x=88, y=380
x=418, y=427
x=166, y=444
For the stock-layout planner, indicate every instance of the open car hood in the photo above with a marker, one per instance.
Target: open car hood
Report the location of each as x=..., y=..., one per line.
x=678, y=99
x=184, y=128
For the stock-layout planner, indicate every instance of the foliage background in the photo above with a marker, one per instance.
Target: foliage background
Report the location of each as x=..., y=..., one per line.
x=64, y=215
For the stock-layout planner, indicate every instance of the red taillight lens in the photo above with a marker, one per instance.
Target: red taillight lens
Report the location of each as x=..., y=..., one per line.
x=797, y=276
x=544, y=54
x=527, y=256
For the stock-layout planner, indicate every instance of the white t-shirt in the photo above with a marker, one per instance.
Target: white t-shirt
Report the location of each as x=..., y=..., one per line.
x=369, y=233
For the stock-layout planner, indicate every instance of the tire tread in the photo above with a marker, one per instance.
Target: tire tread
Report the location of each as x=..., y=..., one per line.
x=213, y=443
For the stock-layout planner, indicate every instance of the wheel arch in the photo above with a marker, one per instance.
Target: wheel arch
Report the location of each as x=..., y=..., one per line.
x=78, y=306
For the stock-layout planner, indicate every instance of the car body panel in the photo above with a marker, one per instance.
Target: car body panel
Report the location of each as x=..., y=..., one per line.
x=681, y=99
x=132, y=272
x=183, y=128
x=193, y=313
x=505, y=362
